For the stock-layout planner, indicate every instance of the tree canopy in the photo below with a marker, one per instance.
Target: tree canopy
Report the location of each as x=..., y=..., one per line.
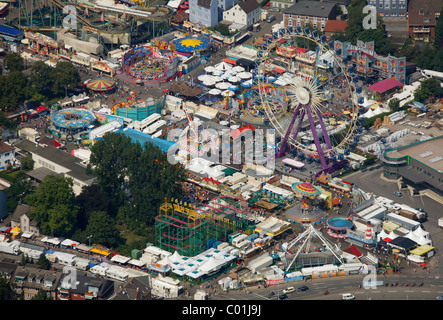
x=54, y=206
x=14, y=62
x=135, y=177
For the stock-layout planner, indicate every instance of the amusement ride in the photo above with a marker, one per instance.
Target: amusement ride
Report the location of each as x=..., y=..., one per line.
x=306, y=127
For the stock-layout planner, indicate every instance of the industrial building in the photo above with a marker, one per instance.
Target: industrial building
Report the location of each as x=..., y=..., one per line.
x=420, y=163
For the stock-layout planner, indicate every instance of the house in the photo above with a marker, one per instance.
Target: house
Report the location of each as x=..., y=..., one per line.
x=7, y=155
x=422, y=19
x=179, y=18
x=138, y=288
x=7, y=269
x=21, y=218
x=282, y=4
x=333, y=27
x=85, y=288
x=203, y=12
x=309, y=13
x=224, y=5
x=390, y=8
x=244, y=13
x=57, y=162
x=28, y=280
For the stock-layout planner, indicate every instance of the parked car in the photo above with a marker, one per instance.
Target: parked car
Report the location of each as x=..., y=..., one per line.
x=289, y=290
x=398, y=193
x=304, y=288
x=283, y=296
x=274, y=9
x=270, y=18
x=347, y=296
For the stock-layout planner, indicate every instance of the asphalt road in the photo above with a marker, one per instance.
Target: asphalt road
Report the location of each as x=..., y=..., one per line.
x=353, y=284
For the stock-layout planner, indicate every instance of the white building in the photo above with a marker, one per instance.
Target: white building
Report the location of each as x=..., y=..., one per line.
x=244, y=13
x=7, y=155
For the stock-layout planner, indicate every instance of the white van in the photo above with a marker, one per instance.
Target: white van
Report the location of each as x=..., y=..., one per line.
x=347, y=296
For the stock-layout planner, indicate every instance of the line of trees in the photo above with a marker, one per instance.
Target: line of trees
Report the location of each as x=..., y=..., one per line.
x=44, y=83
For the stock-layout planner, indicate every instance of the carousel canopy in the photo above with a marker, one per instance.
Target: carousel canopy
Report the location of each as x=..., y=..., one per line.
x=306, y=188
x=191, y=43
x=100, y=85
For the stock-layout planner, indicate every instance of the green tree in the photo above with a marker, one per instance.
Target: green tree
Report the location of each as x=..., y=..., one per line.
x=6, y=292
x=394, y=104
x=437, y=62
x=426, y=56
x=14, y=62
x=13, y=90
x=135, y=176
x=19, y=189
x=66, y=77
x=27, y=163
x=428, y=89
x=42, y=295
x=103, y=229
x=438, y=39
x=44, y=263
x=41, y=76
x=54, y=206
x=5, y=122
x=108, y=163
x=93, y=198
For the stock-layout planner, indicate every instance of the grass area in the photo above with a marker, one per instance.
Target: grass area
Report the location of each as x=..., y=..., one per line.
x=10, y=176
x=133, y=240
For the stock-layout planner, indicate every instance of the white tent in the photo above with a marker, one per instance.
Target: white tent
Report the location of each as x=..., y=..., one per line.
x=214, y=92
x=209, y=82
x=369, y=114
x=205, y=77
x=421, y=233
x=218, y=73
x=210, y=69
x=212, y=265
x=244, y=75
x=228, y=93
x=233, y=79
x=217, y=78
x=223, y=66
x=413, y=237
x=238, y=69
x=223, y=85
x=377, y=111
x=382, y=235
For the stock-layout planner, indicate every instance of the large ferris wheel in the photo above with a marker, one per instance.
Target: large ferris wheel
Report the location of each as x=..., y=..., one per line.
x=314, y=93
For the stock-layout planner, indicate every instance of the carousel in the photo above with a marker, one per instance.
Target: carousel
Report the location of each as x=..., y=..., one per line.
x=253, y=106
x=307, y=210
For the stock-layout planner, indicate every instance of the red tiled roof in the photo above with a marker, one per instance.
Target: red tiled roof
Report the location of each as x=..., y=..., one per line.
x=5, y=147
x=335, y=26
x=385, y=85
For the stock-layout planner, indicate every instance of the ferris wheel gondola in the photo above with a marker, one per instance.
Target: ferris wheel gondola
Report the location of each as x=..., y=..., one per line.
x=306, y=96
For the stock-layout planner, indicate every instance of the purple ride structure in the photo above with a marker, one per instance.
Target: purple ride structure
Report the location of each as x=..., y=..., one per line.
x=306, y=128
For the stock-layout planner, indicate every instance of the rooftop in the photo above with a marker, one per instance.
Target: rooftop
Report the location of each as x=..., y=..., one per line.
x=385, y=85
x=335, y=26
x=428, y=152
x=422, y=12
x=311, y=8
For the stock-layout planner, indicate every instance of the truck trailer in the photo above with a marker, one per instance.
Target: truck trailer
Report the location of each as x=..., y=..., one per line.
x=10, y=247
